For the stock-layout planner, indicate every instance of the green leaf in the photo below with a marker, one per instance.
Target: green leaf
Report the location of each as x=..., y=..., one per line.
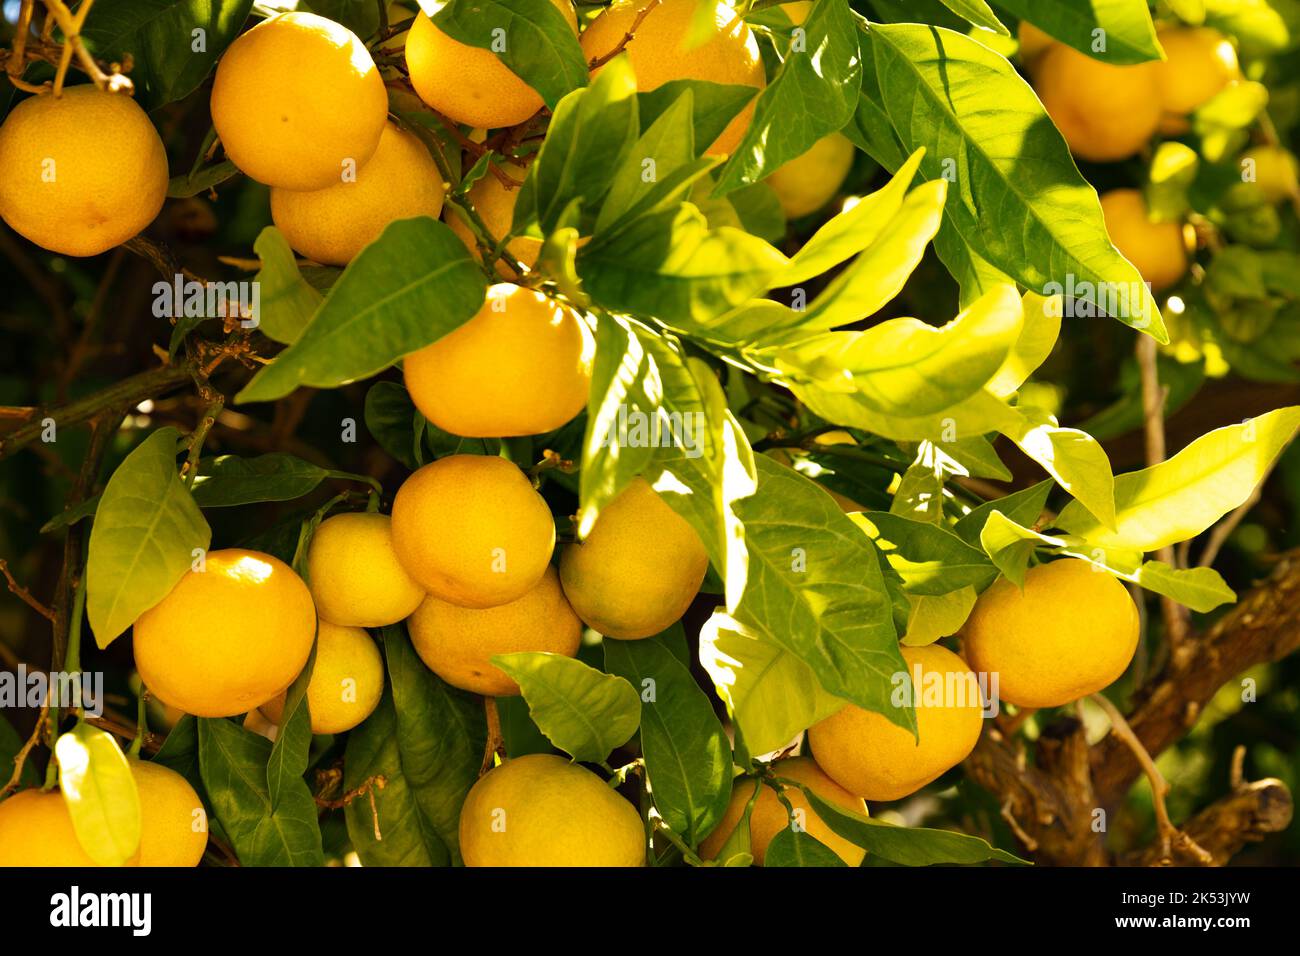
x=1179, y=498
x=1038, y=222
x=852, y=231
x=931, y=617
x=827, y=71
x=100, y=792
x=233, y=762
x=1074, y=458
x=396, y=832
x=146, y=530
x=882, y=268
x=771, y=694
x=1023, y=507
x=909, y=846
x=1011, y=545
x=408, y=288
x=669, y=264
x=792, y=847
x=538, y=46
x=588, y=136
x=158, y=34
x=1201, y=589
x=687, y=756
x=229, y=480
x=286, y=301
x=180, y=751
x=906, y=367
x=290, y=750
x=583, y=712
x=931, y=560
x=390, y=419
x=659, y=169
x=714, y=105
x=441, y=733
x=70, y=516
x=1126, y=24
x=1038, y=334
x=814, y=587
x=638, y=376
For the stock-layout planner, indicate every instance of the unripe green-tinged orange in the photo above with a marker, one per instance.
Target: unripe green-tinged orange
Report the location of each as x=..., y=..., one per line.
x=639, y=568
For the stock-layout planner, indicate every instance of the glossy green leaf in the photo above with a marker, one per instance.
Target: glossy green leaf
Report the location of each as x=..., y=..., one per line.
x=771, y=694
x=1181, y=497
x=687, y=756
x=671, y=265
x=814, y=588
x=1010, y=545
x=909, y=846
x=393, y=831
x=932, y=617
x=906, y=367
x=390, y=419
x=853, y=230
x=1126, y=24
x=290, y=749
x=1036, y=220
x=1074, y=458
x=823, y=68
x=1023, y=507
x=792, y=847
x=100, y=793
x=588, y=136
x=1037, y=338
x=408, y=288
x=583, y=712
x=1201, y=589
x=233, y=763
x=441, y=733
x=158, y=34
x=229, y=480
x=146, y=530
x=659, y=169
x=931, y=559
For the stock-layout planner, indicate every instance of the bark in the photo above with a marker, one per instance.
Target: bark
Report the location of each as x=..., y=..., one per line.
x=1054, y=791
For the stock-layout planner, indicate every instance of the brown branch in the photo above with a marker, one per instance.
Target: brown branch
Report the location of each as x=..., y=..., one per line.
x=1250, y=813
x=496, y=742
x=1049, y=804
x=25, y=595
x=124, y=395
x=1170, y=837
x=1153, y=405
x=1263, y=627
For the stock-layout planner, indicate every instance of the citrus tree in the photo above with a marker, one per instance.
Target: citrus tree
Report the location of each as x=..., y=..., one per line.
x=507, y=433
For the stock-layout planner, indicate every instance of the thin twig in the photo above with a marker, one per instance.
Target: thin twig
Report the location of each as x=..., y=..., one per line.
x=1153, y=401
x=496, y=743
x=22, y=592
x=1170, y=835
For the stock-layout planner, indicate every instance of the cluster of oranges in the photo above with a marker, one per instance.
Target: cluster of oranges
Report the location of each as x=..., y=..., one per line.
x=1109, y=112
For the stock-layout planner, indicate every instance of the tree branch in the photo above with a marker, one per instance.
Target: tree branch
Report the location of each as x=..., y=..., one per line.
x=1263, y=627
